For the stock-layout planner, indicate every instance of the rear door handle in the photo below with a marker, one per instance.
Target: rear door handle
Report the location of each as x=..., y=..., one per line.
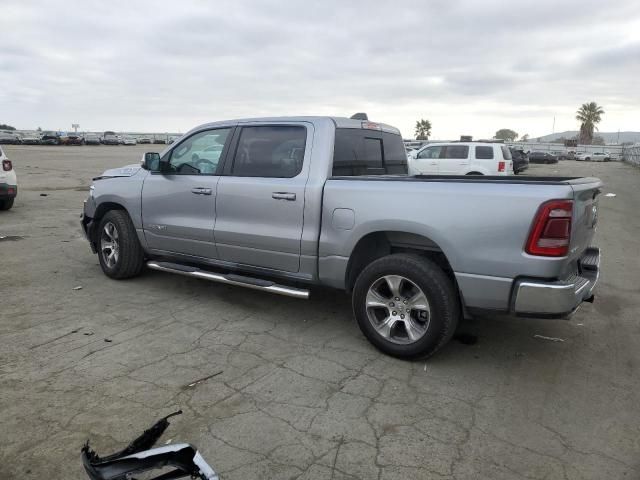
x=201, y=191
x=284, y=196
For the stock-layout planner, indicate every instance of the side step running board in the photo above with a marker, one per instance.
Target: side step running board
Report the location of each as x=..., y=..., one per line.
x=230, y=279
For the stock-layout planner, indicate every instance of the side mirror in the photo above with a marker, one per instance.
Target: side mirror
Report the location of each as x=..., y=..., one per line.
x=151, y=161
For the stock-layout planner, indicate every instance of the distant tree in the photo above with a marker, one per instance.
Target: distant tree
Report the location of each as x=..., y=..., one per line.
x=6, y=127
x=423, y=129
x=506, y=134
x=524, y=138
x=39, y=129
x=589, y=115
x=597, y=140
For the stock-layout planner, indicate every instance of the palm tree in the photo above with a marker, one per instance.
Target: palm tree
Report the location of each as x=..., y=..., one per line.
x=589, y=114
x=423, y=129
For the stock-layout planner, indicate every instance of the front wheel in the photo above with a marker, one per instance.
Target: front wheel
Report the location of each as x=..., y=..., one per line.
x=406, y=305
x=119, y=250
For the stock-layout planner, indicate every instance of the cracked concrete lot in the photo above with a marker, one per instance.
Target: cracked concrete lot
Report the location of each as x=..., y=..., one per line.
x=296, y=391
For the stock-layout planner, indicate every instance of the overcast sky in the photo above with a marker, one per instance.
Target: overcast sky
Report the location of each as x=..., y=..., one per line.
x=470, y=67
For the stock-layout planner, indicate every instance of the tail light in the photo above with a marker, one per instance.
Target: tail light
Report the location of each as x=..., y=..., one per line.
x=501, y=166
x=551, y=232
x=6, y=165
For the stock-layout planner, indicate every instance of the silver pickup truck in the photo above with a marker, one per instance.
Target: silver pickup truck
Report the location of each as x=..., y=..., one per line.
x=280, y=204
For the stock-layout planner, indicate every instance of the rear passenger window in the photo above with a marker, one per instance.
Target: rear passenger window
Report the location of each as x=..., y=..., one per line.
x=368, y=152
x=484, y=153
x=270, y=151
x=506, y=154
x=456, y=151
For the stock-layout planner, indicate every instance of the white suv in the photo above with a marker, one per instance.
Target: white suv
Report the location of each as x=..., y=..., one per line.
x=462, y=158
x=8, y=182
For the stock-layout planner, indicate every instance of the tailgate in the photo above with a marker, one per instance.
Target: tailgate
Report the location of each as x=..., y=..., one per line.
x=586, y=192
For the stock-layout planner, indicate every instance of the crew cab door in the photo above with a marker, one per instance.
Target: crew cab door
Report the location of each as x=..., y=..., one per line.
x=260, y=201
x=179, y=205
x=427, y=161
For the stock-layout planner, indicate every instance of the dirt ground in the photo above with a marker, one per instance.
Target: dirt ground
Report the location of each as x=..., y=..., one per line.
x=295, y=390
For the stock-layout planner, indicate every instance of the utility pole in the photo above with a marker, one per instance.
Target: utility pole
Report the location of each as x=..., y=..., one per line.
x=553, y=129
x=75, y=127
x=618, y=140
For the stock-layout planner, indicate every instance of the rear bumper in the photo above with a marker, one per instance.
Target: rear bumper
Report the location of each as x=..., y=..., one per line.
x=8, y=191
x=558, y=299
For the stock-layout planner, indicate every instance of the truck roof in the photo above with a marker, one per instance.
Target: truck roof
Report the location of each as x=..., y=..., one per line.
x=339, y=122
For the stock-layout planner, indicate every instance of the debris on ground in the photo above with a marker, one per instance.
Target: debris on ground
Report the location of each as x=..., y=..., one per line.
x=44, y=194
x=79, y=287
x=10, y=238
x=203, y=379
x=551, y=339
x=108, y=340
x=610, y=195
x=88, y=334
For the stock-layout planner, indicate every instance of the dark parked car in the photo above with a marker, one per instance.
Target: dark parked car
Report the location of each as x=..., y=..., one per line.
x=75, y=139
x=520, y=160
x=8, y=138
x=142, y=140
x=542, y=157
x=159, y=141
x=91, y=139
x=51, y=138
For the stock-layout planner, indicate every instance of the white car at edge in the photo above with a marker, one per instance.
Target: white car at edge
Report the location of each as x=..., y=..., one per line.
x=461, y=158
x=8, y=182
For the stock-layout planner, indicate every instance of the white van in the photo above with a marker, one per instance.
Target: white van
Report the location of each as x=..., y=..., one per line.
x=462, y=158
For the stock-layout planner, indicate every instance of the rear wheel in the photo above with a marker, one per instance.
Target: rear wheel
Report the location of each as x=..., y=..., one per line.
x=475, y=173
x=119, y=250
x=6, y=204
x=406, y=305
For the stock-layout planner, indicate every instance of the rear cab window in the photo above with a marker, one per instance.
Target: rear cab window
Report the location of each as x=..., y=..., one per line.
x=506, y=153
x=368, y=152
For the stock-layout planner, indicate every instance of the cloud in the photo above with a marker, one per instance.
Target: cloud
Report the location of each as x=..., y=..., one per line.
x=472, y=66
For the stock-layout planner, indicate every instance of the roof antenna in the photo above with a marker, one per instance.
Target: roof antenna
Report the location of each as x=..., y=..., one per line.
x=360, y=116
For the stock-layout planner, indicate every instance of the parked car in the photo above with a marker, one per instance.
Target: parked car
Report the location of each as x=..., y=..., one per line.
x=560, y=155
x=159, y=140
x=8, y=182
x=91, y=139
x=9, y=138
x=110, y=138
x=31, y=139
x=600, y=157
x=462, y=158
x=542, y=157
x=143, y=140
x=50, y=138
x=75, y=139
x=413, y=252
x=520, y=160
x=128, y=140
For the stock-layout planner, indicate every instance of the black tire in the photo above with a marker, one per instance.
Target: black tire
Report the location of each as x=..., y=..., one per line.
x=130, y=256
x=437, y=288
x=475, y=173
x=6, y=204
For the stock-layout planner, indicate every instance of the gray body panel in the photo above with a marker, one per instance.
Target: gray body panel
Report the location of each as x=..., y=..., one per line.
x=480, y=225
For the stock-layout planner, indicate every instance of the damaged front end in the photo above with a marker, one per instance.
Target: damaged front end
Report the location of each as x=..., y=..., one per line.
x=139, y=457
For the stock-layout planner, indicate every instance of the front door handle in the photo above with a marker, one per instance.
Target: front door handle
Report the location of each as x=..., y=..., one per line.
x=284, y=196
x=201, y=191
